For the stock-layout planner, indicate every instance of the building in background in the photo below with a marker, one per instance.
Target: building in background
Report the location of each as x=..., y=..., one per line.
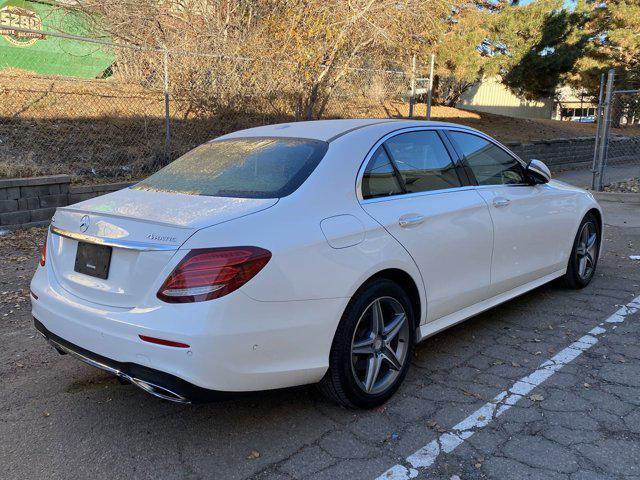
x=491, y=96
x=574, y=105
x=46, y=55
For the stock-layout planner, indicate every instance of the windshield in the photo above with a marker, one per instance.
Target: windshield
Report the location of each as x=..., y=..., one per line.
x=240, y=167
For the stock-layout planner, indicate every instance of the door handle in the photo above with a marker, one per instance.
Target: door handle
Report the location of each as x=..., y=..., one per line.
x=410, y=220
x=499, y=202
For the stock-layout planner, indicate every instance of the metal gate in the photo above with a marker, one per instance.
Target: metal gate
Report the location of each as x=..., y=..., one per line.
x=616, y=158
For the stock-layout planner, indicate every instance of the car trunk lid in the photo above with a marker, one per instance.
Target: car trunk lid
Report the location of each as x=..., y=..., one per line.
x=142, y=229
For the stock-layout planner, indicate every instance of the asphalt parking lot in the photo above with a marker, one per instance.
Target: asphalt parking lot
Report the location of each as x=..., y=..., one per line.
x=580, y=420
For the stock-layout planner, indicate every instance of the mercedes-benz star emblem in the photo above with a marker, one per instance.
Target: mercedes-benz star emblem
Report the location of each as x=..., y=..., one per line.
x=84, y=223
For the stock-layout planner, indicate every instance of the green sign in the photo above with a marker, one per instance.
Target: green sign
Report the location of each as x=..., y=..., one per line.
x=46, y=54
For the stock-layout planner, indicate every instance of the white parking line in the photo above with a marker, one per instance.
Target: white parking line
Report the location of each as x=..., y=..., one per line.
x=447, y=442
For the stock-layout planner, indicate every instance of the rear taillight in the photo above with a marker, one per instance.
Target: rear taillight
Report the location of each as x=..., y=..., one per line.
x=205, y=274
x=43, y=252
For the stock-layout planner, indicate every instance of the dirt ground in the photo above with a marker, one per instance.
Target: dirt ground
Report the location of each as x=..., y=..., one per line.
x=50, y=98
x=508, y=129
x=103, y=131
x=98, y=149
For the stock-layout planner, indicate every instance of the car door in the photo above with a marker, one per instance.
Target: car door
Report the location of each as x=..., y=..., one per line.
x=529, y=221
x=411, y=185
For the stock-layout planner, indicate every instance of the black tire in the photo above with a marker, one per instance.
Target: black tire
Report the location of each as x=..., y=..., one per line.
x=340, y=384
x=573, y=278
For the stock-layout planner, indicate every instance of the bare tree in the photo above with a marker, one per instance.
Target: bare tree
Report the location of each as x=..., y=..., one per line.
x=296, y=53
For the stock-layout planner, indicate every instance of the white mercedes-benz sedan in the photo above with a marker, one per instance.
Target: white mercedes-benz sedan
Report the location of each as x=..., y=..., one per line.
x=312, y=252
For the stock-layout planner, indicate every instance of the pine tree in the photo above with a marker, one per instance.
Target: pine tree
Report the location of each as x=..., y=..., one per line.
x=614, y=29
x=540, y=44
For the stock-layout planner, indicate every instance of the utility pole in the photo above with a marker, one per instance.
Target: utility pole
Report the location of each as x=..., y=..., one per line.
x=167, y=117
x=430, y=90
x=412, y=99
x=594, y=167
x=604, y=139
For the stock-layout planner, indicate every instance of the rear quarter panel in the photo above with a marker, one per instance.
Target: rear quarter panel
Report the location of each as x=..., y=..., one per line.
x=304, y=266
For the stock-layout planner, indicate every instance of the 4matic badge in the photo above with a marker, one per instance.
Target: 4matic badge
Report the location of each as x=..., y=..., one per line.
x=161, y=238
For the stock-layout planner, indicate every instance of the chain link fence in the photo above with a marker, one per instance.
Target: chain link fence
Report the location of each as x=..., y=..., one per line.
x=617, y=156
x=147, y=107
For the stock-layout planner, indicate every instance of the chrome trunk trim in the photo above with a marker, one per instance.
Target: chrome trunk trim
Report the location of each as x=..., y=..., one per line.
x=113, y=242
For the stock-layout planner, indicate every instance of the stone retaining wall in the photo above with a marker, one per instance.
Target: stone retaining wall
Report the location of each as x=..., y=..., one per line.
x=26, y=202
x=564, y=153
x=558, y=153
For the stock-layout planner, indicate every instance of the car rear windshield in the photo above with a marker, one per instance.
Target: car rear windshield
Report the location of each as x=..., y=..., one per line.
x=240, y=167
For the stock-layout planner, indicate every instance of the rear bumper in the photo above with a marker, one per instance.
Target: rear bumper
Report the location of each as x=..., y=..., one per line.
x=154, y=382
x=236, y=344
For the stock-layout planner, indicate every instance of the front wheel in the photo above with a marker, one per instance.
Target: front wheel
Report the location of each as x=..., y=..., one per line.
x=372, y=349
x=584, y=254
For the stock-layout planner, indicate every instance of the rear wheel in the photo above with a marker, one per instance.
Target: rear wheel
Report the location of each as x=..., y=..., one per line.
x=372, y=348
x=584, y=255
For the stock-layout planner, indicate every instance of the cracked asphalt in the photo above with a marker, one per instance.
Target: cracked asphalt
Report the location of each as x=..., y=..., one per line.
x=62, y=419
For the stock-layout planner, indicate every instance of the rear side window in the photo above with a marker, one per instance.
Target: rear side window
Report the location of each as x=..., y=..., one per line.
x=242, y=168
x=490, y=164
x=423, y=162
x=408, y=163
x=379, y=178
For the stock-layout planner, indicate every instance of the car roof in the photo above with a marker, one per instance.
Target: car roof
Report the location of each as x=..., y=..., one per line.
x=329, y=130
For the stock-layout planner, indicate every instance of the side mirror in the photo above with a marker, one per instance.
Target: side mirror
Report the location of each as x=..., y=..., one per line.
x=538, y=172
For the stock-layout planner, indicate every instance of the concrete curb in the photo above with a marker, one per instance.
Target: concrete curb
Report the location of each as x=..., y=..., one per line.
x=617, y=197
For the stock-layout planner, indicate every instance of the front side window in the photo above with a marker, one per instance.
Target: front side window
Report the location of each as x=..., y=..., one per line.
x=258, y=167
x=423, y=162
x=490, y=164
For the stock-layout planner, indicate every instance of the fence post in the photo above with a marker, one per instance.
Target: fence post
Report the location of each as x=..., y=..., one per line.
x=594, y=167
x=430, y=89
x=604, y=138
x=412, y=99
x=167, y=121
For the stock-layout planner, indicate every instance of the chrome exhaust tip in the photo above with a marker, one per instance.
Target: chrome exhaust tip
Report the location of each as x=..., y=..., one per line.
x=158, y=391
x=151, y=388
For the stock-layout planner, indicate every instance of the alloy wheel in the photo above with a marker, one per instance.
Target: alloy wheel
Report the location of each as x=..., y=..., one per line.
x=380, y=345
x=586, y=250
